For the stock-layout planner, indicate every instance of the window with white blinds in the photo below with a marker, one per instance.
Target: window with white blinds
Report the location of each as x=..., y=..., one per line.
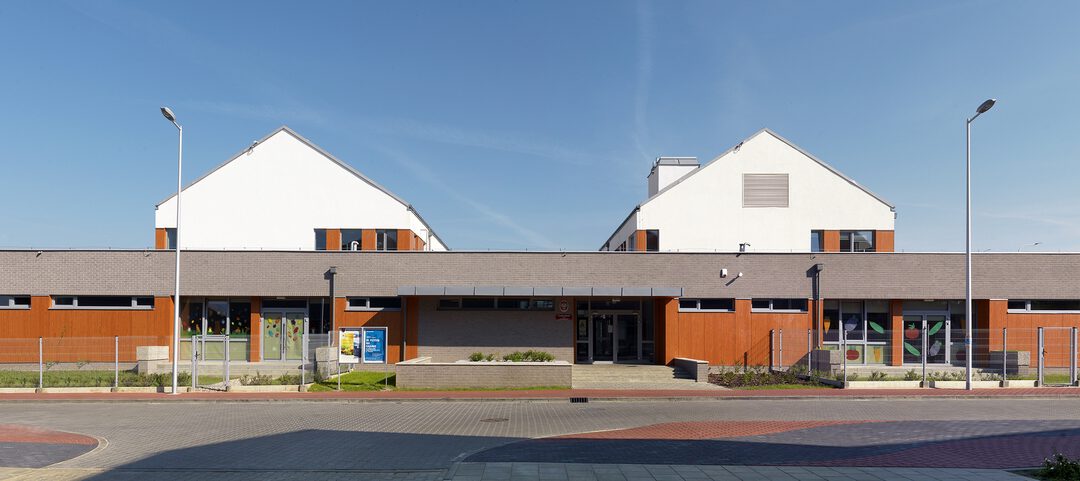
x=765, y=190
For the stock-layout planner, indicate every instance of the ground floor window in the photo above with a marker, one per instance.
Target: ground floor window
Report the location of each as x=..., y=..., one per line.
x=860, y=326
x=614, y=330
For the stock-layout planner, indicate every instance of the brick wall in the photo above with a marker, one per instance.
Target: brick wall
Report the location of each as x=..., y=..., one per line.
x=483, y=374
x=448, y=336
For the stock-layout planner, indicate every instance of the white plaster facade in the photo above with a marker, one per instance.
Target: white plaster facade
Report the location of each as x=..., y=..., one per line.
x=703, y=210
x=274, y=195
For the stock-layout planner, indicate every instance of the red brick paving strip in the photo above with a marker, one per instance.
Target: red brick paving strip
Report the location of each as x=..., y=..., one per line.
x=705, y=430
x=14, y=433
x=554, y=394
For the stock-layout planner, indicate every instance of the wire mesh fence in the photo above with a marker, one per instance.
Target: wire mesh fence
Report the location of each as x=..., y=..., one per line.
x=926, y=350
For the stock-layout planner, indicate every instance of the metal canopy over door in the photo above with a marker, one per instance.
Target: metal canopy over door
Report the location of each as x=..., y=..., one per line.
x=283, y=333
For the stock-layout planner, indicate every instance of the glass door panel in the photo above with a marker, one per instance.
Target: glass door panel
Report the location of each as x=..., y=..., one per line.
x=294, y=335
x=627, y=340
x=936, y=331
x=913, y=339
x=603, y=337
x=271, y=336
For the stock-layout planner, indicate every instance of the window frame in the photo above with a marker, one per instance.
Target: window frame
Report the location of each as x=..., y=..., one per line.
x=11, y=302
x=820, y=236
x=532, y=304
x=381, y=238
x=1028, y=310
x=652, y=240
x=367, y=304
x=851, y=240
x=805, y=304
x=698, y=308
x=133, y=306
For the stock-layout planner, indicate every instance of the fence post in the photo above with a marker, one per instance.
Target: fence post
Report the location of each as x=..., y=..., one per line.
x=843, y=336
x=809, y=353
x=228, y=358
x=303, y=357
x=116, y=362
x=1041, y=356
x=338, y=364
x=1072, y=358
x=925, y=344
x=40, y=363
x=1005, y=355
x=780, y=359
x=194, y=362
x=772, y=349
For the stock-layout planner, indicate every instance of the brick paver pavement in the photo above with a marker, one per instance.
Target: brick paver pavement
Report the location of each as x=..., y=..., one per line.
x=643, y=472
x=33, y=447
x=420, y=440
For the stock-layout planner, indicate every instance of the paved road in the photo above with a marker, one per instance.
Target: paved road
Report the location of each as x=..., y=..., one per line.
x=422, y=440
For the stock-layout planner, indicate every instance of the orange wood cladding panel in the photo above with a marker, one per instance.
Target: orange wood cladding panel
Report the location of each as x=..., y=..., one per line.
x=73, y=335
x=733, y=338
x=1023, y=332
x=832, y=241
x=418, y=242
x=640, y=241
x=405, y=240
x=255, y=346
x=161, y=239
x=896, y=333
x=391, y=320
x=885, y=241
x=333, y=240
x=367, y=239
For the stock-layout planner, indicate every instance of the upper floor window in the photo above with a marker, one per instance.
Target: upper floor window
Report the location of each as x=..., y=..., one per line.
x=1044, y=305
x=780, y=305
x=170, y=237
x=631, y=242
x=706, y=305
x=103, y=302
x=320, y=239
x=386, y=240
x=351, y=239
x=652, y=240
x=14, y=302
x=621, y=248
x=856, y=241
x=374, y=303
x=817, y=241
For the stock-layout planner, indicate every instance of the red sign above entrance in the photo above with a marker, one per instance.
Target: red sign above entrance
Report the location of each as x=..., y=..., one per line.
x=562, y=310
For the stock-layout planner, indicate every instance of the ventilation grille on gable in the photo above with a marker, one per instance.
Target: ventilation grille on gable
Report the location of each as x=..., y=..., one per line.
x=765, y=190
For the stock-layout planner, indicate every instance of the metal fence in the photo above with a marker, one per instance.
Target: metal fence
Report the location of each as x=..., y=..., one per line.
x=215, y=362
x=925, y=351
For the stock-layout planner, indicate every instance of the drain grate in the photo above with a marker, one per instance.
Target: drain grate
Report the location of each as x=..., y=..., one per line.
x=495, y=420
x=574, y=400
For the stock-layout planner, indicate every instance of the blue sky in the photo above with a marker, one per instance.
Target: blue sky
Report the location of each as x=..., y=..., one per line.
x=514, y=125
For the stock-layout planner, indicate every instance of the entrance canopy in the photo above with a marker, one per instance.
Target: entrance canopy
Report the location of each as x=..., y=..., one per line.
x=488, y=291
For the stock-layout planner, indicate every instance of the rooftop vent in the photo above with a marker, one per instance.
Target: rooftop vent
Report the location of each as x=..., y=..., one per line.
x=668, y=170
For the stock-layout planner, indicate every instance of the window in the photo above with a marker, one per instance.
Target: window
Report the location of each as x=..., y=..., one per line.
x=373, y=303
x=765, y=190
x=621, y=248
x=14, y=302
x=386, y=240
x=319, y=316
x=652, y=240
x=103, y=302
x=857, y=241
x=351, y=239
x=284, y=303
x=217, y=317
x=784, y=305
x=865, y=326
x=631, y=242
x=499, y=303
x=320, y=239
x=817, y=241
x=707, y=305
x=170, y=238
x=239, y=318
x=1044, y=305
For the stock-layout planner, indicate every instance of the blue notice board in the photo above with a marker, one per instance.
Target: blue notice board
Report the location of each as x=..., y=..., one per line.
x=375, y=346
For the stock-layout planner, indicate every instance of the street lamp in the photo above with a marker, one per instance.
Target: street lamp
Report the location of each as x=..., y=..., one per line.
x=1033, y=244
x=176, y=292
x=987, y=105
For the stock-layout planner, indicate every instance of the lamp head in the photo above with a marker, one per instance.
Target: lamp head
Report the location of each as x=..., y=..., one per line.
x=985, y=106
x=172, y=118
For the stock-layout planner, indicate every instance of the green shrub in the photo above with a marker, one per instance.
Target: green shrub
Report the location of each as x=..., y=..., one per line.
x=1060, y=467
x=911, y=375
x=489, y=357
x=476, y=357
x=877, y=376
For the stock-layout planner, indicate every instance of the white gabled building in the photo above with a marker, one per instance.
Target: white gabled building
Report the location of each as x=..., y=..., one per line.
x=765, y=194
x=286, y=193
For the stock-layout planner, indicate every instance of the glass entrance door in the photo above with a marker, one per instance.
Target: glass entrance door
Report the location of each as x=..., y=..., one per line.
x=603, y=336
x=283, y=335
x=936, y=329
x=628, y=327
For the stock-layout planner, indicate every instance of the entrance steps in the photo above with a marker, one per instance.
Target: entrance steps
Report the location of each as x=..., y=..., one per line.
x=634, y=376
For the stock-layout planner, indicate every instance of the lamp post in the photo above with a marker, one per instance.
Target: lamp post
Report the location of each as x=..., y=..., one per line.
x=176, y=292
x=1033, y=244
x=967, y=301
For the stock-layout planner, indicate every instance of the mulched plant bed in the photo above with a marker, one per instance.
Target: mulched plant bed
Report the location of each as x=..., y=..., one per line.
x=759, y=378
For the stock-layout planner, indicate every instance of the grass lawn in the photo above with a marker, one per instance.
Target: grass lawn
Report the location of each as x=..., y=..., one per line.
x=357, y=381
x=90, y=378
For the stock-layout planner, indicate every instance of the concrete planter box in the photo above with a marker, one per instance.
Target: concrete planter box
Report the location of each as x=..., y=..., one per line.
x=420, y=373
x=1019, y=383
x=151, y=389
x=17, y=390
x=963, y=384
x=76, y=390
x=697, y=369
x=266, y=388
x=884, y=384
x=1016, y=362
